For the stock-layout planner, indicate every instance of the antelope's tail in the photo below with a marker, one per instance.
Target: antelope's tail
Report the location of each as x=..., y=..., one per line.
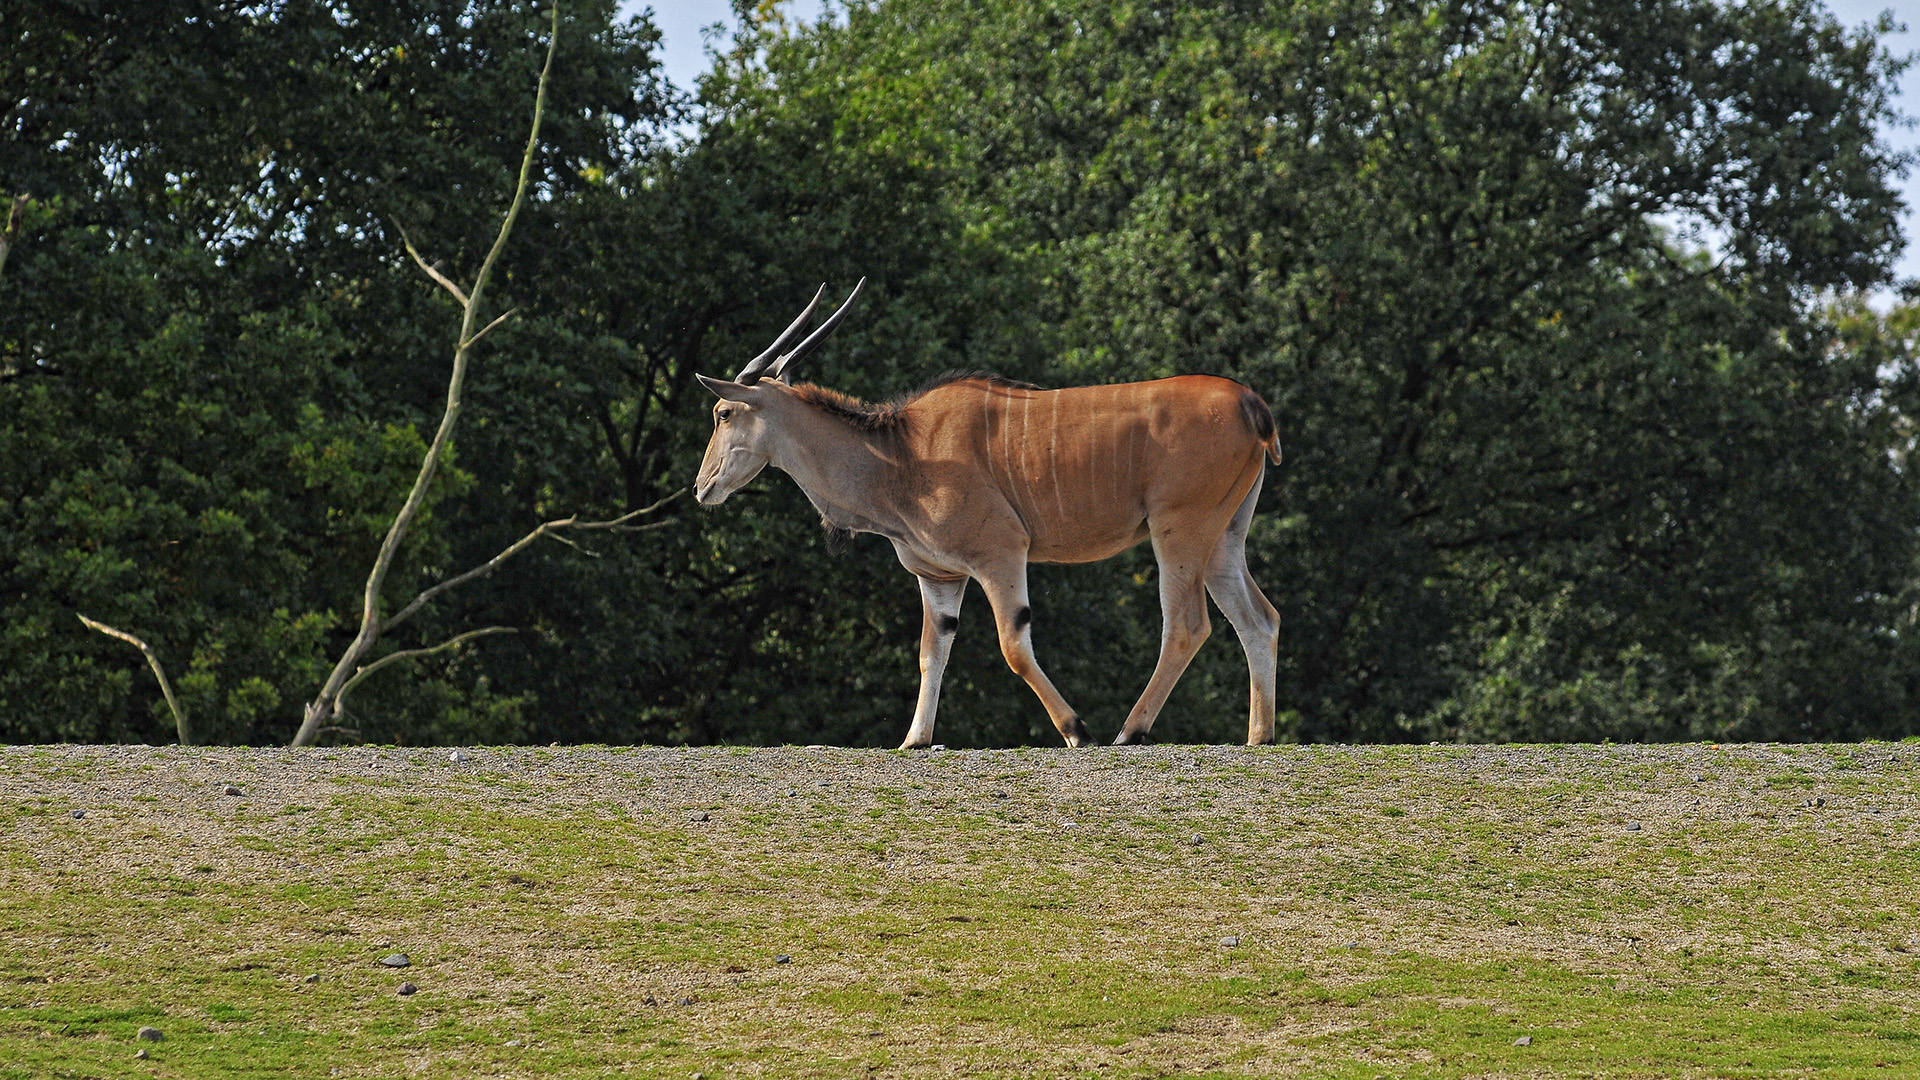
x=1260, y=419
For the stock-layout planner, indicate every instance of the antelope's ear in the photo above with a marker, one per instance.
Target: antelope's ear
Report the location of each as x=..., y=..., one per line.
x=732, y=391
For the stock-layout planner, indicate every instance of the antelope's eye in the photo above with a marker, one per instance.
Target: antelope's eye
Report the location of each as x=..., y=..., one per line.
x=724, y=413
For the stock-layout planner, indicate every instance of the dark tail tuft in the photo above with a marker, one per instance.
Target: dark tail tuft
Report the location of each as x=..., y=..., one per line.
x=1260, y=419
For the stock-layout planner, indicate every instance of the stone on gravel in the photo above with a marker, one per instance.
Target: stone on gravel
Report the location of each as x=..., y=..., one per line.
x=149, y=1034
x=683, y=1001
x=397, y=960
x=313, y=979
x=700, y=816
x=791, y=793
x=1524, y=1040
x=457, y=757
x=141, y=1053
x=783, y=958
x=78, y=814
x=1197, y=840
x=1229, y=942
x=407, y=989
x=232, y=790
x=1001, y=795
x=938, y=746
x=1633, y=826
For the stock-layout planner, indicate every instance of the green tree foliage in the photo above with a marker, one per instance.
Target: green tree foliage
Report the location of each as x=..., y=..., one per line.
x=213, y=362
x=1578, y=444
x=1549, y=476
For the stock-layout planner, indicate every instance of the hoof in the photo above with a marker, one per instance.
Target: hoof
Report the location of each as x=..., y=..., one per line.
x=913, y=744
x=1076, y=734
x=1130, y=738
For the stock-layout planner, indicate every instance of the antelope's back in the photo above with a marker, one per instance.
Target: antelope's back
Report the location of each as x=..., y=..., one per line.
x=1085, y=467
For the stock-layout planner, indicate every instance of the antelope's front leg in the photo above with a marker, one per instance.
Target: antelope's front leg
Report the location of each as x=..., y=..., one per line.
x=1006, y=589
x=940, y=617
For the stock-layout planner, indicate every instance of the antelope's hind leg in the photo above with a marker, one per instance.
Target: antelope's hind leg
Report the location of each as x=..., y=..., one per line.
x=939, y=619
x=1252, y=616
x=1006, y=589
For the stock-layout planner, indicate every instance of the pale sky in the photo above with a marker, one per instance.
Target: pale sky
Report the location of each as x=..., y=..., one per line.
x=684, y=56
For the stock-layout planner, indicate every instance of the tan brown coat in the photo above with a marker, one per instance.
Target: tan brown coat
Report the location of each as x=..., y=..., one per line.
x=976, y=477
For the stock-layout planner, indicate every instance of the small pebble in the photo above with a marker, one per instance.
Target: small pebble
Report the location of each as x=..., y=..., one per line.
x=397, y=960
x=1351, y=945
x=1001, y=795
x=1229, y=942
x=1069, y=824
x=232, y=790
x=791, y=793
x=1699, y=779
x=513, y=1042
x=457, y=757
x=1197, y=840
x=683, y=1001
x=1810, y=802
x=312, y=979
x=701, y=816
x=78, y=814
x=407, y=989
x=783, y=958
x=148, y=1034
x=938, y=746
x=826, y=783
x=1524, y=1040
x=141, y=1053
x=1633, y=826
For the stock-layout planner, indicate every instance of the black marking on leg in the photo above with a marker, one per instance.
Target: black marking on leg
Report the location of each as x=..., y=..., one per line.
x=1022, y=617
x=948, y=623
x=1077, y=733
x=1129, y=737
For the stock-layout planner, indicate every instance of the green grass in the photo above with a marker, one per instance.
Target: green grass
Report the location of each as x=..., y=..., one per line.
x=1398, y=912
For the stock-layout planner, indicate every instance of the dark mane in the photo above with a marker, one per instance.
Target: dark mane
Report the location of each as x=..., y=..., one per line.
x=890, y=414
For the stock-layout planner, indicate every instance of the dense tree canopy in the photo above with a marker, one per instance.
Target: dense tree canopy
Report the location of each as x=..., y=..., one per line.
x=1585, y=436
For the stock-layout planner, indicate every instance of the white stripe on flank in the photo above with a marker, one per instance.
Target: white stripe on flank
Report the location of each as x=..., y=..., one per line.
x=1053, y=444
x=1026, y=452
x=1006, y=453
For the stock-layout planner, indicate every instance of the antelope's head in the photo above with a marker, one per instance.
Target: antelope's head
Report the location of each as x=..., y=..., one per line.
x=746, y=418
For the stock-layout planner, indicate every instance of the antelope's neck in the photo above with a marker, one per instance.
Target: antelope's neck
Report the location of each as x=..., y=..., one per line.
x=849, y=476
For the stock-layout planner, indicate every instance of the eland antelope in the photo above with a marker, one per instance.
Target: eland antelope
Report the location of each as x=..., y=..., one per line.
x=975, y=476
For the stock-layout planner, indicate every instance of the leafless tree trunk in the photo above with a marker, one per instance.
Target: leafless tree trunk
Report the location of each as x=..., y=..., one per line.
x=357, y=662
x=153, y=661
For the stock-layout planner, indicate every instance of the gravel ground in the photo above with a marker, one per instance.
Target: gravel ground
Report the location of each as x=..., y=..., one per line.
x=949, y=879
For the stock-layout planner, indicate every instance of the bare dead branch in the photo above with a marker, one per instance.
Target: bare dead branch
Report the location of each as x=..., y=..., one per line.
x=436, y=275
x=576, y=545
x=409, y=654
x=153, y=661
x=616, y=523
x=12, y=234
x=326, y=704
x=548, y=528
x=504, y=316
